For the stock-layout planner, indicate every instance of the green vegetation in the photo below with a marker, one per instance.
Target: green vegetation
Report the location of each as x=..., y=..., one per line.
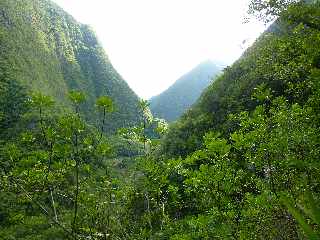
x=46, y=50
x=243, y=163
x=283, y=61
x=173, y=102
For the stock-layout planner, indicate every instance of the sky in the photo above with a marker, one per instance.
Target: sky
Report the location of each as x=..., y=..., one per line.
x=151, y=43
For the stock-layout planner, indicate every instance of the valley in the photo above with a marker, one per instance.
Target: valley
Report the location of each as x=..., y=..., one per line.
x=226, y=152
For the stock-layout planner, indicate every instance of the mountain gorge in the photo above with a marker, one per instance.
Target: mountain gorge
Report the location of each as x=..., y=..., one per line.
x=241, y=163
x=46, y=50
x=173, y=102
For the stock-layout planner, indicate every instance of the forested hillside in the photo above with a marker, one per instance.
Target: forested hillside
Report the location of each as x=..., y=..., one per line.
x=173, y=102
x=45, y=49
x=242, y=163
x=281, y=59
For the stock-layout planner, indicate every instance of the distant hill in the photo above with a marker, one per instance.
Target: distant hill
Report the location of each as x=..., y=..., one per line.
x=47, y=50
x=173, y=102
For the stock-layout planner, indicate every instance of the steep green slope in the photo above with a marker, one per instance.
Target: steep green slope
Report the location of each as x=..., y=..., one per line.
x=173, y=102
x=243, y=163
x=282, y=59
x=46, y=50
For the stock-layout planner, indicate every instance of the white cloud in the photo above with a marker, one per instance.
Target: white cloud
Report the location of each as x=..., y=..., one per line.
x=153, y=42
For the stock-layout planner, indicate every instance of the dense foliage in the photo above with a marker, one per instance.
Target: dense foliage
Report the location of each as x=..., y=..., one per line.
x=55, y=180
x=12, y=101
x=243, y=163
x=173, y=102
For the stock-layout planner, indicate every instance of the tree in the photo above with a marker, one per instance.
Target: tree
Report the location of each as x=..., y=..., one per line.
x=268, y=10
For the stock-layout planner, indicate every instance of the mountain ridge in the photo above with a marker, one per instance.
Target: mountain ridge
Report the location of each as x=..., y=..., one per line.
x=49, y=51
x=171, y=103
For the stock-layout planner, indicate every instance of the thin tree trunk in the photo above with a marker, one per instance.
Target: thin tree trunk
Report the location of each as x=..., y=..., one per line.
x=74, y=228
x=76, y=198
